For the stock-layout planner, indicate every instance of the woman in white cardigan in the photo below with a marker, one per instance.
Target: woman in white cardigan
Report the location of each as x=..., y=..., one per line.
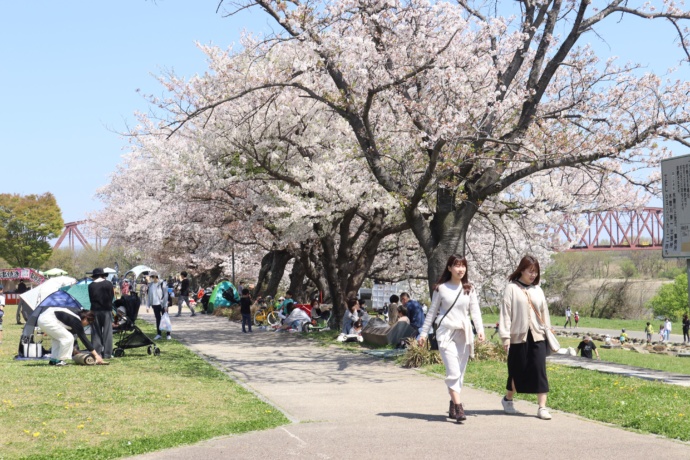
x=454, y=299
x=521, y=327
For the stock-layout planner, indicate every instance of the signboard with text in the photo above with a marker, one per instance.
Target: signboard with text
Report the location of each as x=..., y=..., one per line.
x=675, y=186
x=21, y=274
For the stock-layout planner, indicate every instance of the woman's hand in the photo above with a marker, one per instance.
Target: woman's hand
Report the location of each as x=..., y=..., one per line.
x=99, y=360
x=421, y=341
x=480, y=336
x=506, y=348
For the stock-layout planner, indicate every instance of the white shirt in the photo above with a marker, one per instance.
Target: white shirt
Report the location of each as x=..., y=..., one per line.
x=459, y=316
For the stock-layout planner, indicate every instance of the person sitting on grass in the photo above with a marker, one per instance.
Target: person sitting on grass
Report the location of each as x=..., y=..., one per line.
x=586, y=347
x=356, y=328
x=402, y=314
x=295, y=320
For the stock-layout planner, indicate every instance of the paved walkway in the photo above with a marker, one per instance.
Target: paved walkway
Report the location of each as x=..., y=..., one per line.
x=622, y=369
x=350, y=406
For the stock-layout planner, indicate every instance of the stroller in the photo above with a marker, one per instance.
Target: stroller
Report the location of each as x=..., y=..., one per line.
x=128, y=335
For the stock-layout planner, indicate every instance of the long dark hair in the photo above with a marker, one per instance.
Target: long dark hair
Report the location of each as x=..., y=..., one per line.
x=446, y=276
x=88, y=315
x=525, y=263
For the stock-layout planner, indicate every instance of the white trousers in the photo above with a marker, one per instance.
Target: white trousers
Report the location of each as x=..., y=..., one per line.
x=455, y=352
x=62, y=343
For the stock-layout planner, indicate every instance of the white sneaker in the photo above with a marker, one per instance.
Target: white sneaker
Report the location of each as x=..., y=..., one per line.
x=157, y=337
x=508, y=406
x=169, y=338
x=543, y=414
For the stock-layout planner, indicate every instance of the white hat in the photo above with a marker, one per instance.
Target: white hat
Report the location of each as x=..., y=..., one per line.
x=281, y=298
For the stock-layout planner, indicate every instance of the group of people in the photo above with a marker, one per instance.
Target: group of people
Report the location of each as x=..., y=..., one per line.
x=62, y=324
x=523, y=320
x=403, y=308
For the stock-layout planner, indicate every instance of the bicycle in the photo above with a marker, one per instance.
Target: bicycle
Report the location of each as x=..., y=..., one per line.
x=266, y=315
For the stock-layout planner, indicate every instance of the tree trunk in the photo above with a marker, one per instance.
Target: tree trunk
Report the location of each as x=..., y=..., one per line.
x=266, y=262
x=280, y=260
x=448, y=237
x=297, y=276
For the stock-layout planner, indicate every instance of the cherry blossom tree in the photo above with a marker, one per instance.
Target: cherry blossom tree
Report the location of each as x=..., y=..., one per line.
x=455, y=111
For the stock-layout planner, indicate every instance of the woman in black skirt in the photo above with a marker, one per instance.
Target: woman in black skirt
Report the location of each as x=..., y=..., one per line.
x=520, y=326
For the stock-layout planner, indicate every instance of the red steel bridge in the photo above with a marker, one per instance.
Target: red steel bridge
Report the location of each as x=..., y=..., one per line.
x=72, y=233
x=622, y=230
x=627, y=229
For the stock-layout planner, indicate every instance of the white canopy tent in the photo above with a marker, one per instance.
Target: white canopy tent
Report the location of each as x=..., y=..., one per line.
x=138, y=270
x=34, y=297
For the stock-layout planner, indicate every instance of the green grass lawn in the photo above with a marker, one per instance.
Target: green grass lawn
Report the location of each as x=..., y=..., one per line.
x=624, y=401
x=586, y=322
x=651, y=361
x=137, y=404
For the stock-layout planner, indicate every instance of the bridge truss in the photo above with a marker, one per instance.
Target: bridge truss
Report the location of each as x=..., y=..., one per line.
x=629, y=229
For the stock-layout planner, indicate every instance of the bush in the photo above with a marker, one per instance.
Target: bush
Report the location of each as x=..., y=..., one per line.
x=672, y=273
x=232, y=313
x=671, y=300
x=628, y=268
x=489, y=351
x=417, y=356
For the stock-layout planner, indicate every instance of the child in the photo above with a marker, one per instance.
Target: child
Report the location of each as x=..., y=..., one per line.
x=402, y=314
x=577, y=318
x=356, y=328
x=648, y=331
x=624, y=337
x=662, y=330
x=246, y=310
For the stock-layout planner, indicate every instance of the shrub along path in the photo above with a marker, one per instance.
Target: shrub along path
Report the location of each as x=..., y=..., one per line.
x=348, y=405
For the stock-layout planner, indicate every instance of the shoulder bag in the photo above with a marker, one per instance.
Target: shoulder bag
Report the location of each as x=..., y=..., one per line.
x=551, y=339
x=433, y=343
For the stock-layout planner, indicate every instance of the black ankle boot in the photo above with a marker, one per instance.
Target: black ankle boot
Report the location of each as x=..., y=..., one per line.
x=451, y=410
x=459, y=413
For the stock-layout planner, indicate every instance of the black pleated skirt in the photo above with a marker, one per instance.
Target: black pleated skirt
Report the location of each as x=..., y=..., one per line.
x=527, y=366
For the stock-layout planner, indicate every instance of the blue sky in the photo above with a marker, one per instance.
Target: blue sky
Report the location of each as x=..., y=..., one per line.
x=71, y=70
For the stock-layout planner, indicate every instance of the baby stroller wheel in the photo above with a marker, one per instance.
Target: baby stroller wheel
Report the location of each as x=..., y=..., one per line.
x=149, y=350
x=156, y=351
x=118, y=352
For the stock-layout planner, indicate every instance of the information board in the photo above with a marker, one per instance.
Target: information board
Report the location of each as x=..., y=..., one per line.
x=675, y=187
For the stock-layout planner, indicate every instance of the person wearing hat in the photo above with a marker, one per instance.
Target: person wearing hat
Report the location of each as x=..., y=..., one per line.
x=101, y=295
x=586, y=347
x=2, y=309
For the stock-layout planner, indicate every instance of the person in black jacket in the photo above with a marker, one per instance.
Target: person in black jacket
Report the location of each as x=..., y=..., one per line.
x=101, y=295
x=183, y=295
x=61, y=324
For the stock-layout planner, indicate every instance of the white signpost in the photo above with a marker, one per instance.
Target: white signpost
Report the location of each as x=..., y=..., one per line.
x=675, y=187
